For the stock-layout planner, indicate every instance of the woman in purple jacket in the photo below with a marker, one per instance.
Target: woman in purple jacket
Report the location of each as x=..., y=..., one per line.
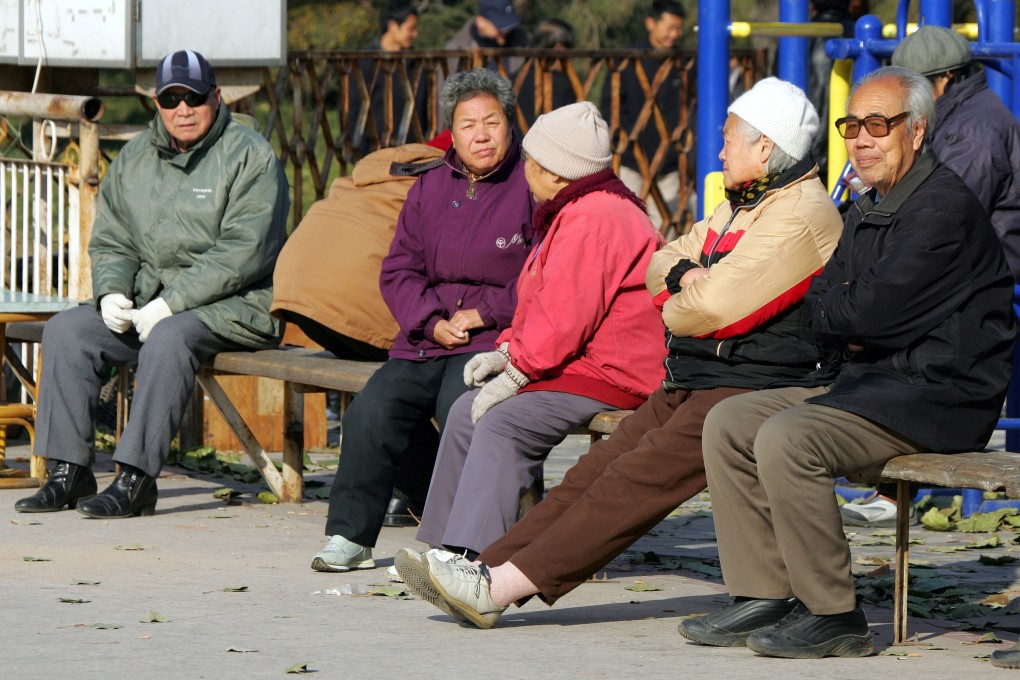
x=450, y=282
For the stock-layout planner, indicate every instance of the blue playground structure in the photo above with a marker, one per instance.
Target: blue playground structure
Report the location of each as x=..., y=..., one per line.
x=992, y=42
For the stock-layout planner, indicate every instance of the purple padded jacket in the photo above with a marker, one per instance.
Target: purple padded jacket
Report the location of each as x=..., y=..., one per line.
x=458, y=247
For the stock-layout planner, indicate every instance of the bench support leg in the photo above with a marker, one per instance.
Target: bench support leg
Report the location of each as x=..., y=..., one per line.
x=251, y=445
x=293, y=443
x=903, y=501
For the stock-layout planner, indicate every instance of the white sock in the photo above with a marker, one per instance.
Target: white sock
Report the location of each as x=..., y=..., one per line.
x=509, y=584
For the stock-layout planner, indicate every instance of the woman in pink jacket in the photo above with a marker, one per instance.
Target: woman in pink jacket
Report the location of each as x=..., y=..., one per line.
x=585, y=337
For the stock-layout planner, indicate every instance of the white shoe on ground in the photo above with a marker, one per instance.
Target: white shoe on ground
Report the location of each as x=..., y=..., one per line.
x=343, y=555
x=874, y=511
x=464, y=587
x=413, y=569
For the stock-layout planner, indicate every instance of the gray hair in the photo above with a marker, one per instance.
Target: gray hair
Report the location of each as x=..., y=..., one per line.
x=778, y=159
x=918, y=97
x=465, y=85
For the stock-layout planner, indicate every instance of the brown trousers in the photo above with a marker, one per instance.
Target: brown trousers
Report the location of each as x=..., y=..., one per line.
x=771, y=462
x=613, y=495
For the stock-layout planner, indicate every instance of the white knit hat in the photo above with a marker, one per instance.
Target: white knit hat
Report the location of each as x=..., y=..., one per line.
x=572, y=141
x=781, y=112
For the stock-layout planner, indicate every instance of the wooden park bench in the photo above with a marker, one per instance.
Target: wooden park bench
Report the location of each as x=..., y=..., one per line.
x=985, y=470
x=306, y=371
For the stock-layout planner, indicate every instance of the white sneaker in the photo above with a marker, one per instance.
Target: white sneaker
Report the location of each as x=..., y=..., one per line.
x=393, y=575
x=343, y=555
x=465, y=588
x=413, y=569
x=874, y=511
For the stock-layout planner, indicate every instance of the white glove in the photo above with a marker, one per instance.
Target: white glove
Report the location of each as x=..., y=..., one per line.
x=502, y=387
x=117, y=312
x=482, y=366
x=150, y=315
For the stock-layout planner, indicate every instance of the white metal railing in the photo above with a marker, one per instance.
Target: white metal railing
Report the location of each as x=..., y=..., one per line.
x=39, y=228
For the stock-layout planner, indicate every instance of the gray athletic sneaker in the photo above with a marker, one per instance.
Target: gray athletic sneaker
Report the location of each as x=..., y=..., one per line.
x=465, y=588
x=343, y=555
x=413, y=569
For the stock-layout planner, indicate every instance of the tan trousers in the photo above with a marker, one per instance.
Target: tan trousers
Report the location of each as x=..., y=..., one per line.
x=771, y=460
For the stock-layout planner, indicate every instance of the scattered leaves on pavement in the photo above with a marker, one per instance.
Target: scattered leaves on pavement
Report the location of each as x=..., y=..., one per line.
x=25, y=522
x=132, y=546
x=297, y=668
x=996, y=561
x=85, y=583
x=642, y=587
x=105, y=626
x=154, y=617
x=987, y=638
x=267, y=498
x=36, y=559
x=240, y=650
x=71, y=600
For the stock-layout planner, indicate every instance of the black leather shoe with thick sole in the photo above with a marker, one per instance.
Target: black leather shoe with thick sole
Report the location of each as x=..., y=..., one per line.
x=132, y=493
x=730, y=626
x=68, y=484
x=803, y=635
x=1007, y=658
x=399, y=513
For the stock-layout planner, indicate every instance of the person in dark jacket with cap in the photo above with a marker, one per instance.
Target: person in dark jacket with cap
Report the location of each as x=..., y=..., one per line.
x=496, y=25
x=977, y=137
x=913, y=320
x=191, y=218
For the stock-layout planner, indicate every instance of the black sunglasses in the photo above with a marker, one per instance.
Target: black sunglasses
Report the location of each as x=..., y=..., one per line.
x=171, y=100
x=877, y=126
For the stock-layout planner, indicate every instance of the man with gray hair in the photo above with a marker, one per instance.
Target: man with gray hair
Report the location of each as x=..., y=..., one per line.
x=977, y=137
x=913, y=320
x=730, y=293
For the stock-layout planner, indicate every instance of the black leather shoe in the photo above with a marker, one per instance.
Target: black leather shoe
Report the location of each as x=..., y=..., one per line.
x=399, y=513
x=803, y=635
x=1007, y=658
x=68, y=484
x=132, y=493
x=730, y=626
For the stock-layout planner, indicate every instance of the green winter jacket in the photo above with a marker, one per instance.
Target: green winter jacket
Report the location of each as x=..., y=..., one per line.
x=202, y=229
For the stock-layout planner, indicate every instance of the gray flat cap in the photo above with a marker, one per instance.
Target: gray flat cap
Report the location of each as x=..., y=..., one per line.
x=932, y=49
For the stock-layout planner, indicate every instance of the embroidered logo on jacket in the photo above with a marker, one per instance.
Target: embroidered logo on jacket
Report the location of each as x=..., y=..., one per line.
x=502, y=244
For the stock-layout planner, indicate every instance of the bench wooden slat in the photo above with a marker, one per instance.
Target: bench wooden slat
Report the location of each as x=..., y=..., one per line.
x=985, y=470
x=25, y=331
x=298, y=366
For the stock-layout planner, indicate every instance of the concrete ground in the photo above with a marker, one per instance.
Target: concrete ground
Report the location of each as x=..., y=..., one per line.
x=204, y=589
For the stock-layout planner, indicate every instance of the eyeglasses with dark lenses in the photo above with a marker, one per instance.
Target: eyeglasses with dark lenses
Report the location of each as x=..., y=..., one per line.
x=877, y=126
x=171, y=100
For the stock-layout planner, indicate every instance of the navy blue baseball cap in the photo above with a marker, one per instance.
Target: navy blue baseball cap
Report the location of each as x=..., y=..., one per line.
x=499, y=12
x=185, y=68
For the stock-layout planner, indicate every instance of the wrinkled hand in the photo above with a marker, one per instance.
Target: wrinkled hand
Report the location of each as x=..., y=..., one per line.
x=482, y=366
x=500, y=388
x=150, y=315
x=117, y=312
x=448, y=335
x=467, y=319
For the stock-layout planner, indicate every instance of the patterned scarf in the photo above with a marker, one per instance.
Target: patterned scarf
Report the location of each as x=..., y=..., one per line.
x=749, y=191
x=604, y=180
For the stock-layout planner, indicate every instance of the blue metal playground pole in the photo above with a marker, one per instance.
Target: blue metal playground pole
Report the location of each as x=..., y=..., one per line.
x=713, y=97
x=1001, y=16
x=793, y=51
x=936, y=13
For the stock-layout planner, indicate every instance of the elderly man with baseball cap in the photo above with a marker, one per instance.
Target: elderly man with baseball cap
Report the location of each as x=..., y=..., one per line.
x=730, y=294
x=191, y=217
x=977, y=137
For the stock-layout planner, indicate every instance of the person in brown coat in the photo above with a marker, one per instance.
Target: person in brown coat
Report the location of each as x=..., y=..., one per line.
x=327, y=281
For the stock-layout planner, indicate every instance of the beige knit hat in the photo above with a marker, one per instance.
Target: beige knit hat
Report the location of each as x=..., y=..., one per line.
x=572, y=141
